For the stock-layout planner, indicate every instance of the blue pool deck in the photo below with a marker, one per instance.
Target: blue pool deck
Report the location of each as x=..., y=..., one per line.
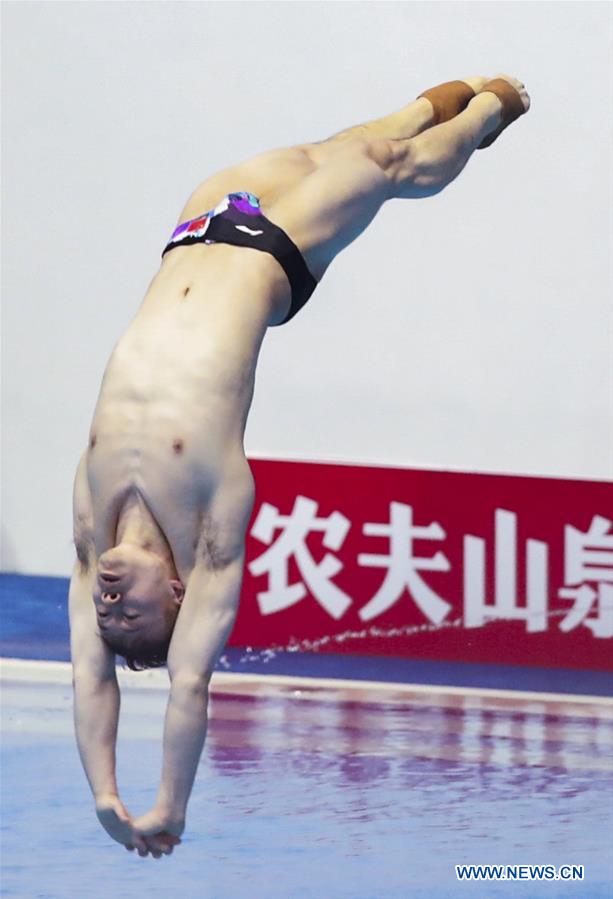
x=34, y=625
x=322, y=777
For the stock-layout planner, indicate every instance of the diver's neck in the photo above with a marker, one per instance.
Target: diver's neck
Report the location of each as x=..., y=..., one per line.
x=137, y=525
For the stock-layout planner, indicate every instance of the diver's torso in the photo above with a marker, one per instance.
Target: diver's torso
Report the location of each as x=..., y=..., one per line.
x=172, y=408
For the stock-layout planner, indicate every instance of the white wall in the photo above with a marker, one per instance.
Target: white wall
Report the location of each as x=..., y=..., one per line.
x=471, y=330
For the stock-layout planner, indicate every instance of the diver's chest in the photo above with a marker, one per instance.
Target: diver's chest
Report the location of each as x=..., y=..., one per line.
x=167, y=462
x=174, y=487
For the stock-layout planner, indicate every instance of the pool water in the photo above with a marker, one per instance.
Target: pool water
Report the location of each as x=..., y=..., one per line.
x=317, y=790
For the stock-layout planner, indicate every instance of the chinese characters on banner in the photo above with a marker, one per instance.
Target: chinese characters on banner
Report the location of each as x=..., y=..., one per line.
x=426, y=564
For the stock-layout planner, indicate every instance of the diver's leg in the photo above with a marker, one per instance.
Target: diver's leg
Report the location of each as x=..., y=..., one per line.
x=446, y=100
x=426, y=164
x=327, y=210
x=271, y=174
x=267, y=175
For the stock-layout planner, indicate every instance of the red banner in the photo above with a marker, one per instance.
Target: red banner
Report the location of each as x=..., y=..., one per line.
x=429, y=565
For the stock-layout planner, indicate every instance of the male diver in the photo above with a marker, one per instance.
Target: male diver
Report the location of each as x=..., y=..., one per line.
x=163, y=494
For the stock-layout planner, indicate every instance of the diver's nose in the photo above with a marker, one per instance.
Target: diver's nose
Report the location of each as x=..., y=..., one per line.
x=110, y=598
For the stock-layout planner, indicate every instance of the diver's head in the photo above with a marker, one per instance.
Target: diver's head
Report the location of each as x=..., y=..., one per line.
x=137, y=602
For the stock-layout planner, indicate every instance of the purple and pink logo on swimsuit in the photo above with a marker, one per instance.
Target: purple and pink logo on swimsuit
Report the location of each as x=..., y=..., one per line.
x=245, y=202
x=197, y=228
x=193, y=228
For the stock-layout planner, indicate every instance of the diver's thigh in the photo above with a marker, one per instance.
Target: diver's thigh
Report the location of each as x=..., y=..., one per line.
x=268, y=176
x=326, y=211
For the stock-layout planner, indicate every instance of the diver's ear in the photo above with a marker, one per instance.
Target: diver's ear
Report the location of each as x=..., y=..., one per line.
x=179, y=591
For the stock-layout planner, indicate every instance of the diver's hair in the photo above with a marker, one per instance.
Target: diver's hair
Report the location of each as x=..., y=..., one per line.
x=143, y=653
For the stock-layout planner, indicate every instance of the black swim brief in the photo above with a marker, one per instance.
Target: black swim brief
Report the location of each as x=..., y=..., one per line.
x=238, y=220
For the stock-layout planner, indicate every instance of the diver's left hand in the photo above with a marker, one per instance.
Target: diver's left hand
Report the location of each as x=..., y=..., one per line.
x=117, y=821
x=160, y=829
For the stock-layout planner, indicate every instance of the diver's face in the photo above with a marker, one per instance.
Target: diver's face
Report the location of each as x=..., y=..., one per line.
x=133, y=594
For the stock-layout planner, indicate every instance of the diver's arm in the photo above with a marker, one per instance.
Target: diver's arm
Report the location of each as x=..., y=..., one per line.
x=204, y=623
x=96, y=712
x=95, y=687
x=96, y=692
x=202, y=629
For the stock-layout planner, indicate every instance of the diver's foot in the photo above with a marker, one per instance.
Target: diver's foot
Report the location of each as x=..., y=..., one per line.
x=513, y=100
x=451, y=98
